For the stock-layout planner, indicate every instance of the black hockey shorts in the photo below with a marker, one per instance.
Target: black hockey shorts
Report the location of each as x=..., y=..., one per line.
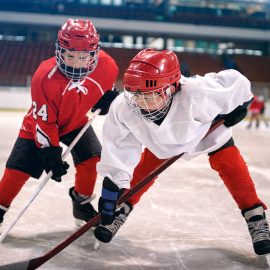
x=229, y=143
x=24, y=155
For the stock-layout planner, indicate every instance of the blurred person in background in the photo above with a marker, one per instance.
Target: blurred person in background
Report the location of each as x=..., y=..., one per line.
x=257, y=110
x=64, y=88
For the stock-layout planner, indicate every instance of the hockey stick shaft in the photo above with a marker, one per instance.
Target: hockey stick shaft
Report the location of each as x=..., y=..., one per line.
x=48, y=176
x=34, y=263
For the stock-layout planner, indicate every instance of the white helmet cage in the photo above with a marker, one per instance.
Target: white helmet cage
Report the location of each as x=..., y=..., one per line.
x=152, y=105
x=83, y=69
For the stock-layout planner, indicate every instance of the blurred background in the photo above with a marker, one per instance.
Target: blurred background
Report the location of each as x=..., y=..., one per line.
x=208, y=36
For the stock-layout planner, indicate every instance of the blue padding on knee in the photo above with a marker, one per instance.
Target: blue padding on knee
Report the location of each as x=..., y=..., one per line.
x=109, y=195
x=108, y=206
x=107, y=212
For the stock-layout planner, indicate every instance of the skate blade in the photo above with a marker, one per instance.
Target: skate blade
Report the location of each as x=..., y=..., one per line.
x=96, y=244
x=87, y=238
x=267, y=258
x=79, y=223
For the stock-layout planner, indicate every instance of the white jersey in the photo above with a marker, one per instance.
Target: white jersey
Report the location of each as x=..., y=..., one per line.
x=190, y=116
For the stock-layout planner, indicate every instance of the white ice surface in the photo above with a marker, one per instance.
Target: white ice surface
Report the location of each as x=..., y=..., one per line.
x=186, y=221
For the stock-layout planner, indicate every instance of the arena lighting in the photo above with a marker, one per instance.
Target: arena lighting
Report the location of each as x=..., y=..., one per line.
x=177, y=49
x=12, y=38
x=243, y=1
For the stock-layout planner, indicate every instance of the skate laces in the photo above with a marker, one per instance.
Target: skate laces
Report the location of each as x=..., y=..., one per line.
x=259, y=230
x=117, y=223
x=87, y=199
x=120, y=219
x=83, y=199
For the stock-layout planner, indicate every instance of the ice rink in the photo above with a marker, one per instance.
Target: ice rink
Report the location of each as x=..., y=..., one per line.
x=187, y=220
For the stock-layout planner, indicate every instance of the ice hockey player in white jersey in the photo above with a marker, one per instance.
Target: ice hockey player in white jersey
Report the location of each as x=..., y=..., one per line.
x=169, y=114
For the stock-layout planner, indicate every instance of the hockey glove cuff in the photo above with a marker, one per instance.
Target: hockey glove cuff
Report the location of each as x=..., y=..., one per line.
x=105, y=102
x=107, y=202
x=236, y=115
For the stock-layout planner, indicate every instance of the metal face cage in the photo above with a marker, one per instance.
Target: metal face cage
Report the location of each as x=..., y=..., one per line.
x=76, y=65
x=152, y=105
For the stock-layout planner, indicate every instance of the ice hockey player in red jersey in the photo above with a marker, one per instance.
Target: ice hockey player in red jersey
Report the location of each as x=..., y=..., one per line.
x=170, y=114
x=256, y=109
x=64, y=88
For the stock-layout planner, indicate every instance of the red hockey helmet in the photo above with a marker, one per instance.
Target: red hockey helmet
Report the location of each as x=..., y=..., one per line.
x=151, y=69
x=78, y=35
x=80, y=39
x=150, y=74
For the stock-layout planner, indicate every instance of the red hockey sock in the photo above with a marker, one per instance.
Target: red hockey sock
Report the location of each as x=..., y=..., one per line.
x=10, y=185
x=86, y=176
x=234, y=172
x=146, y=165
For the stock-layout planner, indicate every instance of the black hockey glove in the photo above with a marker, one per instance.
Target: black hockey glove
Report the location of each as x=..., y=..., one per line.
x=52, y=161
x=105, y=102
x=107, y=202
x=236, y=115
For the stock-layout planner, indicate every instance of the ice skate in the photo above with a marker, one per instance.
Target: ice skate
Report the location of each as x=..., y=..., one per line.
x=83, y=211
x=258, y=229
x=3, y=210
x=105, y=233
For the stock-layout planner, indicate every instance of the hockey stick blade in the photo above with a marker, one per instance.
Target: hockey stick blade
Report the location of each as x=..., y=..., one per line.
x=36, y=262
x=15, y=266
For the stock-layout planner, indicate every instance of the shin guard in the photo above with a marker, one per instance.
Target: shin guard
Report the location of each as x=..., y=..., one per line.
x=86, y=176
x=10, y=185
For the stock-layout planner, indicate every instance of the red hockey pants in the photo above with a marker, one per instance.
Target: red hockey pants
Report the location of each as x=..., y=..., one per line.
x=233, y=170
x=227, y=162
x=146, y=165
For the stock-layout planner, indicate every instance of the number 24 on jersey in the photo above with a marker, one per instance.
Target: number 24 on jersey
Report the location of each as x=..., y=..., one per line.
x=41, y=112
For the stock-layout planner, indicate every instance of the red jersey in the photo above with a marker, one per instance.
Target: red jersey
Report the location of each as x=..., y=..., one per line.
x=60, y=105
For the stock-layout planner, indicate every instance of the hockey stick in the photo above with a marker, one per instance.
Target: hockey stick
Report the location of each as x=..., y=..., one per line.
x=48, y=176
x=34, y=263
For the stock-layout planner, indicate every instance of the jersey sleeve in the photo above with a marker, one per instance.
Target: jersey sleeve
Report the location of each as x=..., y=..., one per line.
x=121, y=151
x=109, y=73
x=45, y=107
x=220, y=93
x=239, y=89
